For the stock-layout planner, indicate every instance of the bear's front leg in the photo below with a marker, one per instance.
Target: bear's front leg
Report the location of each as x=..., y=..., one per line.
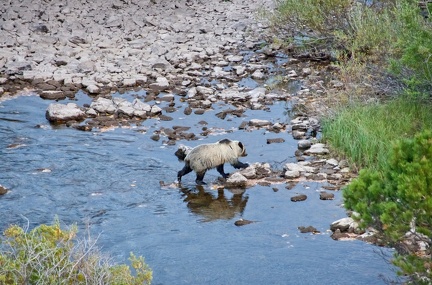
x=239, y=165
x=186, y=169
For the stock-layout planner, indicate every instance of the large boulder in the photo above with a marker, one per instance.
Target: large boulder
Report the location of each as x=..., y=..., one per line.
x=61, y=113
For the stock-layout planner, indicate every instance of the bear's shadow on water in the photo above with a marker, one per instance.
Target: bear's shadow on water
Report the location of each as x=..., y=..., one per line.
x=219, y=204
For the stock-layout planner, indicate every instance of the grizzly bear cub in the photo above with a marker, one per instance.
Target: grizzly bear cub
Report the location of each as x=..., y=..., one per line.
x=213, y=155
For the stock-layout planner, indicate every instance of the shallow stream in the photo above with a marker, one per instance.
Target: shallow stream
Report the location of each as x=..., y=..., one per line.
x=110, y=180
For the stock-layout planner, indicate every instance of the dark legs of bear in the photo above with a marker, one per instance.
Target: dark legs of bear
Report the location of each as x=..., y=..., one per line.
x=199, y=178
x=220, y=169
x=186, y=169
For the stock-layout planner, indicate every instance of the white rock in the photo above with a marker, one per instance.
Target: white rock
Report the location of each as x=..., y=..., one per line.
x=291, y=174
x=61, y=113
x=332, y=162
x=249, y=172
x=259, y=123
x=318, y=148
x=304, y=144
x=161, y=84
x=204, y=90
x=103, y=105
x=258, y=74
x=236, y=179
x=93, y=89
x=155, y=110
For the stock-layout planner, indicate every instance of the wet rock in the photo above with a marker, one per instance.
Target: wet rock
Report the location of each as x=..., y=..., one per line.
x=326, y=196
x=275, y=140
x=317, y=149
x=347, y=224
x=204, y=90
x=297, y=135
x=302, y=167
x=242, y=222
x=165, y=118
x=61, y=113
x=53, y=95
x=338, y=235
x=236, y=180
x=262, y=170
x=290, y=185
x=332, y=162
x=292, y=174
x=299, y=198
x=104, y=105
x=249, y=172
x=155, y=110
x=199, y=111
x=84, y=128
x=3, y=190
x=259, y=123
x=258, y=74
x=304, y=144
x=161, y=84
x=187, y=111
x=155, y=137
x=308, y=229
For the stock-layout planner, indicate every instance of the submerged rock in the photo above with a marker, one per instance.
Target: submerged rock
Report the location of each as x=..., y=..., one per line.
x=3, y=190
x=308, y=229
x=299, y=198
x=242, y=222
x=326, y=196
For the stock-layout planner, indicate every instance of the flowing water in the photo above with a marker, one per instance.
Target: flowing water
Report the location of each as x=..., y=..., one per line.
x=110, y=181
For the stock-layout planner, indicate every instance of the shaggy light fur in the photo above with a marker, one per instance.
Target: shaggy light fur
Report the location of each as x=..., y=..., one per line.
x=214, y=155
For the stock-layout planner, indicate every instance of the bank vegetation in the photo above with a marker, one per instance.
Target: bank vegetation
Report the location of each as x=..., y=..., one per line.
x=382, y=119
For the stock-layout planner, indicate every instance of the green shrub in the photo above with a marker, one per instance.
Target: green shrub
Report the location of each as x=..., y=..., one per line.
x=344, y=27
x=51, y=255
x=390, y=35
x=413, y=60
x=399, y=200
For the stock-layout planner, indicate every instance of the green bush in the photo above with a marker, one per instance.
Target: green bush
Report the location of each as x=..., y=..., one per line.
x=346, y=28
x=400, y=200
x=390, y=35
x=51, y=255
x=413, y=60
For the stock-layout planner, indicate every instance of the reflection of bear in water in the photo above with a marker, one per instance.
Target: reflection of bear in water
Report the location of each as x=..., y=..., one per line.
x=213, y=207
x=207, y=156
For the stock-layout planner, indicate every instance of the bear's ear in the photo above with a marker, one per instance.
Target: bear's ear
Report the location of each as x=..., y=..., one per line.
x=241, y=145
x=225, y=141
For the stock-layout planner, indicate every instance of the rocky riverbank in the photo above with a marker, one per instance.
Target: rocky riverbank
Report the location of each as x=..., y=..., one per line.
x=198, y=50
x=59, y=47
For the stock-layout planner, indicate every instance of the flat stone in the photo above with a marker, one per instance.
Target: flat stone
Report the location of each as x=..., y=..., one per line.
x=299, y=198
x=53, y=95
x=61, y=113
x=318, y=148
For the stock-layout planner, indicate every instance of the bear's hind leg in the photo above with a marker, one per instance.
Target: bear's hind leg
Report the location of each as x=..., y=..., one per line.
x=220, y=169
x=200, y=178
x=186, y=169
